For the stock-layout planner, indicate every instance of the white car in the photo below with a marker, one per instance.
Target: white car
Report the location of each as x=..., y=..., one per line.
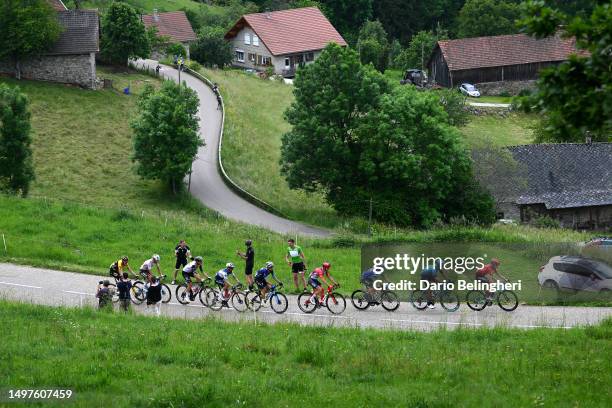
x=576, y=273
x=469, y=90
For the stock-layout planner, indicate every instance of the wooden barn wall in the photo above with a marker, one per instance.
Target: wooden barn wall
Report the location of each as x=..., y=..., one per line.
x=520, y=72
x=438, y=70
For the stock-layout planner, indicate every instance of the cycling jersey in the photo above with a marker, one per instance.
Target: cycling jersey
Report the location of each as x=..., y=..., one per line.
x=147, y=265
x=429, y=273
x=317, y=273
x=221, y=276
x=192, y=267
x=488, y=269
x=263, y=273
x=295, y=253
x=182, y=252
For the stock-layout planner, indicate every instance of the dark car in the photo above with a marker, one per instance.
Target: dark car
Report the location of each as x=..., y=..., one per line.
x=416, y=77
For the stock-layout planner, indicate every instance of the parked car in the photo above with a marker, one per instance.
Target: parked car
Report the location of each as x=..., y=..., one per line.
x=576, y=273
x=601, y=242
x=469, y=90
x=415, y=77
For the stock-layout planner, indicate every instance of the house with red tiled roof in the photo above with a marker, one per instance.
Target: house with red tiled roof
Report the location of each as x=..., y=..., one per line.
x=497, y=59
x=284, y=40
x=173, y=25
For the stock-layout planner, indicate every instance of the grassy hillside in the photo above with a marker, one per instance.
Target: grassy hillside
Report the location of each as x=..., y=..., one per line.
x=255, y=124
x=146, y=5
x=146, y=362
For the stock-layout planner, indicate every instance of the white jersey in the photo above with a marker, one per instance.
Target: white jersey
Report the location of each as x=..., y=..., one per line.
x=223, y=274
x=191, y=267
x=147, y=265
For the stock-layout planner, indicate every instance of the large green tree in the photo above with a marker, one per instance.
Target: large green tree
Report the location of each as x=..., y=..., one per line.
x=487, y=17
x=575, y=97
x=123, y=35
x=16, y=170
x=211, y=49
x=373, y=45
x=166, y=137
x=418, y=51
x=348, y=16
x=27, y=28
x=356, y=140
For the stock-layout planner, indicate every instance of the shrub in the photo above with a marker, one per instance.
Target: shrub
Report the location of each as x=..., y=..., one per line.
x=193, y=65
x=546, y=222
x=453, y=103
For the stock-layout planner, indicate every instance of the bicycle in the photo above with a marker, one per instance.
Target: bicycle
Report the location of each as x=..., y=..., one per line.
x=334, y=301
x=447, y=298
x=278, y=301
x=506, y=299
x=361, y=299
x=197, y=289
x=140, y=290
x=115, y=292
x=236, y=296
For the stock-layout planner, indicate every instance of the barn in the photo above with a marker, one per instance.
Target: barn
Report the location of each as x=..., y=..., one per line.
x=497, y=59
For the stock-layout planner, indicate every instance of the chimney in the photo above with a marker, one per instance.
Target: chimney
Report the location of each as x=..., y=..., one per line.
x=155, y=15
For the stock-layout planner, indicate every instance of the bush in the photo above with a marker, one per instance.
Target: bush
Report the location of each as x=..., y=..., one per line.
x=505, y=94
x=211, y=49
x=453, y=103
x=193, y=65
x=546, y=222
x=176, y=50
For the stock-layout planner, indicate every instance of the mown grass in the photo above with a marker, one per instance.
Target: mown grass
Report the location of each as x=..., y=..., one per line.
x=133, y=361
x=148, y=5
x=255, y=125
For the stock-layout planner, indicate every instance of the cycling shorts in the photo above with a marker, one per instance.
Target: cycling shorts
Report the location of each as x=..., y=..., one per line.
x=188, y=275
x=314, y=283
x=298, y=267
x=144, y=273
x=180, y=263
x=261, y=282
x=219, y=281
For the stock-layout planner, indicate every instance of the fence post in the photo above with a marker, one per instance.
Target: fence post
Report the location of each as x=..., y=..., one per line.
x=4, y=240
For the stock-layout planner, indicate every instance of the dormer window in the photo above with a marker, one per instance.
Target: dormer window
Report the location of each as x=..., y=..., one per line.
x=247, y=38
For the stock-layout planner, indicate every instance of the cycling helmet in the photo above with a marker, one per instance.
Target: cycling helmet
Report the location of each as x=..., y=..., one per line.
x=155, y=258
x=269, y=265
x=248, y=242
x=229, y=265
x=198, y=259
x=495, y=261
x=326, y=265
x=124, y=258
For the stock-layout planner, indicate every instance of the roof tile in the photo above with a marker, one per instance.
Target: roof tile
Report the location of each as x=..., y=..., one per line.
x=80, y=33
x=173, y=24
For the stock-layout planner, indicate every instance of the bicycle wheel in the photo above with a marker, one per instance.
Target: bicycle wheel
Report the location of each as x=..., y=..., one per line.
x=507, y=300
x=418, y=298
x=203, y=296
x=389, y=301
x=166, y=293
x=253, y=301
x=336, y=303
x=279, y=303
x=139, y=293
x=182, y=294
x=238, y=302
x=213, y=300
x=476, y=300
x=112, y=288
x=449, y=301
x=358, y=299
x=305, y=304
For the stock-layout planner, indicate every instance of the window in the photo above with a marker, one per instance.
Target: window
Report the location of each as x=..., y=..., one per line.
x=267, y=61
x=287, y=63
x=252, y=57
x=255, y=40
x=239, y=56
x=500, y=215
x=247, y=38
x=309, y=56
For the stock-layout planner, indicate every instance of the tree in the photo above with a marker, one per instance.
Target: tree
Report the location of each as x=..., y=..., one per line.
x=575, y=97
x=211, y=49
x=373, y=45
x=166, y=137
x=16, y=170
x=418, y=51
x=27, y=28
x=480, y=18
x=123, y=35
x=347, y=16
x=176, y=50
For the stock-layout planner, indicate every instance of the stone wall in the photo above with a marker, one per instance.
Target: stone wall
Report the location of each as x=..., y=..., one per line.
x=70, y=69
x=510, y=87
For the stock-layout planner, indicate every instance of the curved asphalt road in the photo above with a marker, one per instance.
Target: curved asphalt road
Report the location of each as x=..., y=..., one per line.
x=54, y=288
x=206, y=182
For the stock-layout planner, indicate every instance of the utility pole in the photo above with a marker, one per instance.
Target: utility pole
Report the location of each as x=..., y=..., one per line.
x=370, y=219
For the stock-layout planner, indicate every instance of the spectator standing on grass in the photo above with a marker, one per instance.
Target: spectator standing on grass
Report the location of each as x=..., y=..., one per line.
x=249, y=258
x=295, y=258
x=154, y=297
x=104, y=295
x=182, y=253
x=124, y=286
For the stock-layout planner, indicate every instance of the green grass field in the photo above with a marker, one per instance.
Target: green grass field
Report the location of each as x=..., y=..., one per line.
x=255, y=124
x=148, y=5
x=109, y=359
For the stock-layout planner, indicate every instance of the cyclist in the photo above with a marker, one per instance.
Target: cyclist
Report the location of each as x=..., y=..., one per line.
x=190, y=271
x=430, y=274
x=367, y=279
x=222, y=280
x=116, y=268
x=485, y=274
x=249, y=258
x=262, y=283
x=147, y=266
x=181, y=252
x=313, y=280
x=295, y=258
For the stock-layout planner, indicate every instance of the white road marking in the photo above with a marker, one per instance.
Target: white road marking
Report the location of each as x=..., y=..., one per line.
x=23, y=286
x=78, y=293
